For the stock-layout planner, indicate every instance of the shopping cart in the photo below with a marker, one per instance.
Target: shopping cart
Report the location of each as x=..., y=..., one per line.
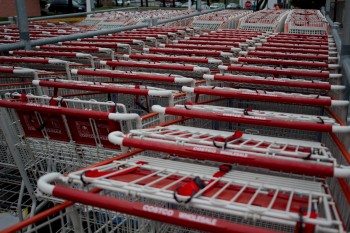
x=54, y=65
x=242, y=42
x=65, y=132
x=180, y=32
x=164, y=37
x=306, y=22
x=281, y=72
x=240, y=45
x=147, y=40
x=312, y=104
x=126, y=216
x=165, y=187
x=313, y=65
x=290, y=48
x=117, y=47
x=273, y=153
x=327, y=37
x=224, y=56
x=82, y=58
x=276, y=84
x=211, y=63
x=301, y=42
x=165, y=68
x=297, y=55
x=137, y=42
x=200, y=47
x=17, y=79
x=172, y=82
x=136, y=98
x=265, y=20
x=104, y=53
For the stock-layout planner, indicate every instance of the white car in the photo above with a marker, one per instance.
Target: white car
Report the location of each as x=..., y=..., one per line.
x=120, y=2
x=217, y=5
x=185, y=5
x=204, y=6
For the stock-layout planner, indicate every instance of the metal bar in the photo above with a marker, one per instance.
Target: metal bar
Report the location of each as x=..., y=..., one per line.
x=14, y=46
x=22, y=22
x=328, y=6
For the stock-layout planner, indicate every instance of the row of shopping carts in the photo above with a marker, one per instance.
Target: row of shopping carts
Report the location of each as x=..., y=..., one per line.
x=306, y=22
x=225, y=19
x=221, y=131
x=265, y=20
x=116, y=19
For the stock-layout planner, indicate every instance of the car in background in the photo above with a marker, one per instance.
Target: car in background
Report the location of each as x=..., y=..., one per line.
x=204, y=6
x=120, y=2
x=62, y=6
x=217, y=5
x=233, y=6
x=178, y=4
x=185, y=5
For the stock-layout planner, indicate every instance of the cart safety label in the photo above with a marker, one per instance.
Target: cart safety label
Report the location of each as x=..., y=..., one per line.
x=235, y=154
x=243, y=116
x=158, y=210
x=43, y=106
x=265, y=94
x=181, y=215
x=223, y=152
x=204, y=149
x=198, y=218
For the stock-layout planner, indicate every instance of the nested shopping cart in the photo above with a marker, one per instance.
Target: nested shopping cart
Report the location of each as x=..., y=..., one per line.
x=224, y=197
x=147, y=40
x=137, y=98
x=164, y=37
x=235, y=147
x=282, y=72
x=291, y=48
x=303, y=37
x=57, y=134
x=271, y=123
x=171, y=82
x=82, y=58
x=273, y=83
x=222, y=48
x=43, y=134
x=158, y=67
x=242, y=42
x=48, y=64
x=243, y=46
x=289, y=54
x=180, y=33
x=136, y=42
x=224, y=56
x=301, y=42
x=118, y=47
x=265, y=20
x=211, y=63
x=258, y=99
x=104, y=53
x=287, y=63
x=306, y=22
x=18, y=79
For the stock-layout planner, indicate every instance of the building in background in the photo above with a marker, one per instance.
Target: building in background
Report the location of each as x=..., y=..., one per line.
x=8, y=8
